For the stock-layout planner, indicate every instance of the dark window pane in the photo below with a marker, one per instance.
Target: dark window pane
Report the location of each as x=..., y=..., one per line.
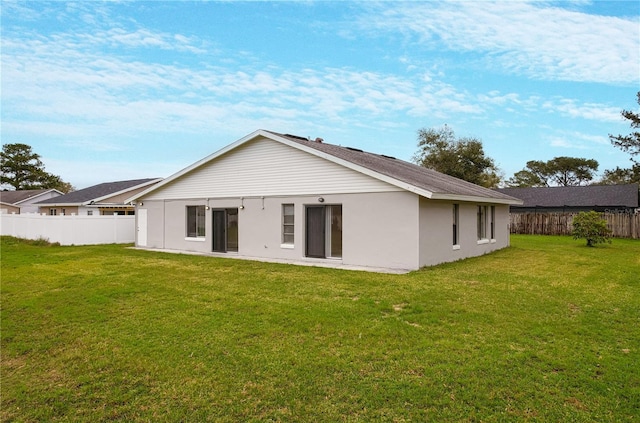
x=191, y=222
x=232, y=229
x=336, y=231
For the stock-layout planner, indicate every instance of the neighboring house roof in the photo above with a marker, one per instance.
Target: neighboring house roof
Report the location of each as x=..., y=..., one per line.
x=10, y=206
x=425, y=182
x=578, y=196
x=20, y=196
x=98, y=193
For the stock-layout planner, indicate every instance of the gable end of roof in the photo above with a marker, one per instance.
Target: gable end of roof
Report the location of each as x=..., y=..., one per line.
x=407, y=176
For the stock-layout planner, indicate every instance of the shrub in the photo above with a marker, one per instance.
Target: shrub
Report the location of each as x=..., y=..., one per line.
x=39, y=242
x=592, y=227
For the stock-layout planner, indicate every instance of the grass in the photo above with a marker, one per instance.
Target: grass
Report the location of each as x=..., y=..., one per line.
x=547, y=330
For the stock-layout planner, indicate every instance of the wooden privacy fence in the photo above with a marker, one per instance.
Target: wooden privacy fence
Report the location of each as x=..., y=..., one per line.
x=622, y=225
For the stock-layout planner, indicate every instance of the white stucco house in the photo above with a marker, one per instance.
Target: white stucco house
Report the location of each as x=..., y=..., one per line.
x=280, y=197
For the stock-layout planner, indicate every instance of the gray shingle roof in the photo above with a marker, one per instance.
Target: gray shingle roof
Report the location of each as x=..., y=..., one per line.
x=14, y=197
x=412, y=174
x=581, y=196
x=97, y=191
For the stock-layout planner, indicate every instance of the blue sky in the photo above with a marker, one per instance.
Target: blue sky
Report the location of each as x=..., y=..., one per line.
x=122, y=90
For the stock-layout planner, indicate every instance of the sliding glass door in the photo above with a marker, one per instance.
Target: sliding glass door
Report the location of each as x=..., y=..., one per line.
x=324, y=231
x=225, y=230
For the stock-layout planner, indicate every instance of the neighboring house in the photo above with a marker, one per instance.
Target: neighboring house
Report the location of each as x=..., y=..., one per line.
x=102, y=199
x=22, y=201
x=600, y=198
x=280, y=197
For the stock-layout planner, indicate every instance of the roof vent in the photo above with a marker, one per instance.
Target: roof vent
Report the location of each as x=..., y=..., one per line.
x=319, y=140
x=354, y=149
x=388, y=157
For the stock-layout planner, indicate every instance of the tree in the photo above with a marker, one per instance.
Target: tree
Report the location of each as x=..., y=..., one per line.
x=49, y=180
x=562, y=171
x=536, y=174
x=629, y=143
x=464, y=158
x=22, y=169
x=592, y=227
x=619, y=176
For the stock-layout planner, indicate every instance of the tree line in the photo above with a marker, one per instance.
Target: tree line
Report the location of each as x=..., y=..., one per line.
x=464, y=158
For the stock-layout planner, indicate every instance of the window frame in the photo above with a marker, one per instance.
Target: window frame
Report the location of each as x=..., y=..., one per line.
x=482, y=224
x=456, y=227
x=285, y=242
x=200, y=230
x=492, y=223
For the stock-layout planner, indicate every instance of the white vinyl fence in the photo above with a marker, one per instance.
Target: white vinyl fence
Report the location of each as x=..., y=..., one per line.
x=70, y=230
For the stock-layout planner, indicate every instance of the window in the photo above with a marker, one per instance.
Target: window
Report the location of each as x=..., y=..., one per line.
x=482, y=222
x=195, y=222
x=324, y=231
x=456, y=217
x=493, y=222
x=64, y=212
x=287, y=224
x=53, y=212
x=90, y=213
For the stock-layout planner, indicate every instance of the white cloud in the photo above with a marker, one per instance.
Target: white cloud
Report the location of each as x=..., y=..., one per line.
x=67, y=87
x=577, y=141
x=533, y=39
x=93, y=91
x=66, y=80
x=590, y=111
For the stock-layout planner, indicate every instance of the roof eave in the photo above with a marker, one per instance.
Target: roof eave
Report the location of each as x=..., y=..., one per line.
x=58, y=204
x=476, y=199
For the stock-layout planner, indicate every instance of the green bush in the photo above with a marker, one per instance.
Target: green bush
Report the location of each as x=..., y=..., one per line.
x=592, y=227
x=39, y=242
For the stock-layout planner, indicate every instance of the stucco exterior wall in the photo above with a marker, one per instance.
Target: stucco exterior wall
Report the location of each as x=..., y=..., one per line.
x=436, y=231
x=379, y=229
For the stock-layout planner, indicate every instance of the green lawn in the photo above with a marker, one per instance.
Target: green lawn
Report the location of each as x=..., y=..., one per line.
x=547, y=330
